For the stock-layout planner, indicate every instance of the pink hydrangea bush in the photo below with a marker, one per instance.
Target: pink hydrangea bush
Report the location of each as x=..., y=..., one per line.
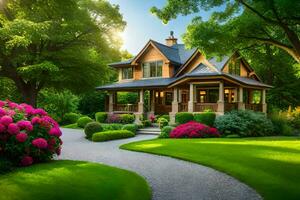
x=194, y=130
x=27, y=135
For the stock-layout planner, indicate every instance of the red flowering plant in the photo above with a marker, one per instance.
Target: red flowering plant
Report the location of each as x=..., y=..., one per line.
x=152, y=118
x=194, y=130
x=27, y=135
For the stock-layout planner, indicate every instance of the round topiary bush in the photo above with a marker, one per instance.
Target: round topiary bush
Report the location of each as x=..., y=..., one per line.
x=27, y=135
x=207, y=118
x=70, y=118
x=165, y=132
x=127, y=118
x=82, y=121
x=183, y=117
x=162, y=122
x=101, y=117
x=91, y=128
x=130, y=127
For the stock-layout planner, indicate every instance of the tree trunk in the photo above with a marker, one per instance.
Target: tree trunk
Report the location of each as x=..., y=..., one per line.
x=29, y=91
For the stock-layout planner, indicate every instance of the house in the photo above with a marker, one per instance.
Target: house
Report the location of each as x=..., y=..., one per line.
x=177, y=79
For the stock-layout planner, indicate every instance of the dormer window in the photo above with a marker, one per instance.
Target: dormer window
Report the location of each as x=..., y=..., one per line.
x=235, y=67
x=127, y=73
x=152, y=69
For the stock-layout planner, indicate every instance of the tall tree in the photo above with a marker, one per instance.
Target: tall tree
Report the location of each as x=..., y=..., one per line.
x=240, y=24
x=54, y=43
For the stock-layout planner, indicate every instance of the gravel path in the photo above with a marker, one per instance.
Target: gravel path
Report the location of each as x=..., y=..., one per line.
x=170, y=179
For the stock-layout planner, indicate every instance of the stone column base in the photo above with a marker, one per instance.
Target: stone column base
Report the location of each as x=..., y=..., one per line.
x=175, y=107
x=191, y=106
x=241, y=106
x=172, y=118
x=138, y=117
x=220, y=107
x=264, y=108
x=140, y=107
x=110, y=107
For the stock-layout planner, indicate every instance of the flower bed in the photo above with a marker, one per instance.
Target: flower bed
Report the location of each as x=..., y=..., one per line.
x=194, y=130
x=27, y=135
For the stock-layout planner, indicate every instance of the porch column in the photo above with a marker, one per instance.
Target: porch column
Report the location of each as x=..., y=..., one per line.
x=152, y=106
x=235, y=90
x=140, y=112
x=221, y=98
x=191, y=101
x=263, y=101
x=111, y=102
x=179, y=96
x=241, y=104
x=174, y=106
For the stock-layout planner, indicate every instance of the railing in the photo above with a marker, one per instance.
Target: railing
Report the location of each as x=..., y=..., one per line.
x=183, y=107
x=201, y=107
x=163, y=109
x=254, y=107
x=230, y=106
x=125, y=108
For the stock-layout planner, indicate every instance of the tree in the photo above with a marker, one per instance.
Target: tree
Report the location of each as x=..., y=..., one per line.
x=241, y=25
x=60, y=44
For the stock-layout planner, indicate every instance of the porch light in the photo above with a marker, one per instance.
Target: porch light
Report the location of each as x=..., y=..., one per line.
x=156, y=94
x=161, y=94
x=202, y=92
x=226, y=91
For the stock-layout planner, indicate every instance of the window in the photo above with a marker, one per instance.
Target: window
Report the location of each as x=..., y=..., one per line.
x=152, y=69
x=235, y=67
x=169, y=98
x=127, y=73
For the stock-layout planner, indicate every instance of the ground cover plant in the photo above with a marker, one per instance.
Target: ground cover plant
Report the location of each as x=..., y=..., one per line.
x=111, y=135
x=270, y=165
x=72, y=180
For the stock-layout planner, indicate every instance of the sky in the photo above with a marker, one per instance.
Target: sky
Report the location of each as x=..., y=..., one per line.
x=142, y=25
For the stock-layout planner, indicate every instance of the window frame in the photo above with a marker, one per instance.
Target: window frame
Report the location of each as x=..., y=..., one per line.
x=234, y=67
x=123, y=73
x=152, y=73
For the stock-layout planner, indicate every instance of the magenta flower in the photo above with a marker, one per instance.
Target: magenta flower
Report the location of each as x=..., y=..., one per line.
x=39, y=111
x=11, y=113
x=2, y=112
x=26, y=161
x=21, y=137
x=13, y=129
x=55, y=131
x=40, y=143
x=2, y=103
x=12, y=105
x=35, y=120
x=6, y=120
x=2, y=128
x=58, y=151
x=25, y=125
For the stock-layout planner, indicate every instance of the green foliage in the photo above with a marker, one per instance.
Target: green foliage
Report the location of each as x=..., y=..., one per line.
x=146, y=123
x=127, y=118
x=70, y=118
x=130, y=127
x=9, y=90
x=111, y=127
x=57, y=104
x=165, y=132
x=111, y=135
x=127, y=97
x=83, y=121
x=162, y=122
x=244, y=123
x=92, y=102
x=207, y=118
x=167, y=117
x=233, y=136
x=183, y=117
x=91, y=128
x=295, y=118
x=281, y=124
x=101, y=117
x=5, y=165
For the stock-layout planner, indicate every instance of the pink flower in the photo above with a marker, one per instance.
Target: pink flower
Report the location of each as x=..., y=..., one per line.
x=2, y=103
x=2, y=112
x=11, y=113
x=35, y=120
x=58, y=151
x=21, y=137
x=12, y=105
x=6, y=120
x=40, y=143
x=2, y=128
x=39, y=111
x=26, y=161
x=13, y=129
x=23, y=124
x=55, y=131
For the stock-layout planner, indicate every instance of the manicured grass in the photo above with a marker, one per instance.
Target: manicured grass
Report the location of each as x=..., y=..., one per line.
x=72, y=180
x=271, y=165
x=73, y=126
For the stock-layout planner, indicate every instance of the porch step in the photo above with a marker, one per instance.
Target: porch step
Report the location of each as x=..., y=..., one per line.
x=149, y=131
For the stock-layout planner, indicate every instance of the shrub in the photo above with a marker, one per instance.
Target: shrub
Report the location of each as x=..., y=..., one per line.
x=167, y=117
x=130, y=127
x=111, y=127
x=146, y=123
x=70, y=118
x=245, y=123
x=233, y=136
x=111, y=135
x=5, y=165
x=183, y=117
x=152, y=118
x=194, y=130
x=295, y=118
x=82, y=121
x=281, y=124
x=162, y=122
x=127, y=118
x=27, y=135
x=165, y=132
x=101, y=117
x=113, y=118
x=91, y=128
x=207, y=118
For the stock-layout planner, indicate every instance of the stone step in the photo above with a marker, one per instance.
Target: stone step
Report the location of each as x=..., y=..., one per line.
x=149, y=131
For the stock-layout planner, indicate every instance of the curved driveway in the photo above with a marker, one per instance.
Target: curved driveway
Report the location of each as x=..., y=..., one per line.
x=169, y=178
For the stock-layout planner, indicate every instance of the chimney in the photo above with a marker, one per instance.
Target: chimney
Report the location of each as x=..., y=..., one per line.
x=171, y=40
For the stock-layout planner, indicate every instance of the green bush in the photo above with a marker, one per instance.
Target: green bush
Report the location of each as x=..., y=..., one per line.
x=281, y=124
x=91, y=128
x=167, y=117
x=244, y=123
x=146, y=123
x=127, y=118
x=5, y=165
x=82, y=121
x=130, y=127
x=101, y=117
x=233, y=136
x=165, y=132
x=111, y=127
x=183, y=117
x=111, y=135
x=70, y=118
x=162, y=122
x=207, y=118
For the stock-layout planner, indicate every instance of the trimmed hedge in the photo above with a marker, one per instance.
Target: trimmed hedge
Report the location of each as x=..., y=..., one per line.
x=207, y=118
x=111, y=127
x=82, y=121
x=165, y=132
x=183, y=117
x=111, y=135
x=130, y=127
x=91, y=128
x=127, y=118
x=101, y=117
x=70, y=118
x=146, y=123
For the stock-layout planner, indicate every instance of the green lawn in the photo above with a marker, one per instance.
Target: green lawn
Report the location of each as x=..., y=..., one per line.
x=271, y=165
x=72, y=180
